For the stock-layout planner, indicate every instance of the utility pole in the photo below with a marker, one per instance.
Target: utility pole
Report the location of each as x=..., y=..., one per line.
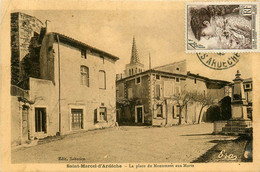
x=59, y=85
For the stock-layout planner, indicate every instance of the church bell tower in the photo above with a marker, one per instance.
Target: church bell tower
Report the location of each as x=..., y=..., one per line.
x=134, y=66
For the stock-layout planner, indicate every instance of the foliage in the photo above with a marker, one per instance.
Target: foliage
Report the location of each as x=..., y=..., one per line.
x=122, y=103
x=182, y=100
x=204, y=100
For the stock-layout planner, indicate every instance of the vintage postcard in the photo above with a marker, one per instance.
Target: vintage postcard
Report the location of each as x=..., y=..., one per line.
x=222, y=27
x=105, y=86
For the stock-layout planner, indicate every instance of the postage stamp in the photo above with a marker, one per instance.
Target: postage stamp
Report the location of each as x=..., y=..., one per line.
x=221, y=27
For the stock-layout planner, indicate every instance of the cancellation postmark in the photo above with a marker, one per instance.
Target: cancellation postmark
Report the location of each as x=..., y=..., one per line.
x=221, y=27
x=218, y=61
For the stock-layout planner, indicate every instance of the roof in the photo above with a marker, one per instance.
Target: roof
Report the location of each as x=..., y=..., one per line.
x=207, y=79
x=169, y=64
x=180, y=75
x=134, y=55
x=152, y=71
x=248, y=80
x=76, y=43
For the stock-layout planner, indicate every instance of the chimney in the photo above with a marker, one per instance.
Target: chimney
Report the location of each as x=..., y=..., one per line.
x=46, y=26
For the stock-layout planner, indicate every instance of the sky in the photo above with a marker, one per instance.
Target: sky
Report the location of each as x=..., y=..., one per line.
x=158, y=32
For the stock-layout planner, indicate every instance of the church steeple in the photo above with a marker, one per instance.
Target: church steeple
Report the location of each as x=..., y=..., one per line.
x=134, y=67
x=134, y=55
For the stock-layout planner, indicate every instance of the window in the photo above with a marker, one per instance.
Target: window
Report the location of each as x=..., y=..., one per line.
x=178, y=110
x=247, y=86
x=195, y=81
x=138, y=80
x=177, y=90
x=102, y=79
x=173, y=114
x=83, y=54
x=84, y=72
x=129, y=72
x=178, y=69
x=159, y=111
x=130, y=93
x=40, y=120
x=102, y=114
x=132, y=71
x=177, y=80
x=158, y=90
x=168, y=88
x=117, y=93
x=103, y=59
x=158, y=77
x=135, y=70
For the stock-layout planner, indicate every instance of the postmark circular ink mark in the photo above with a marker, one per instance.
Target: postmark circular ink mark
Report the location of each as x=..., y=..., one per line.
x=219, y=61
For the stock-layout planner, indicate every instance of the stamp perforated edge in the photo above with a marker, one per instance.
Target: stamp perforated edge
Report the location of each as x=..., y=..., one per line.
x=257, y=50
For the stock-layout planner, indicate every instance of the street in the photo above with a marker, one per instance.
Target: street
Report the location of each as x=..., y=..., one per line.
x=135, y=144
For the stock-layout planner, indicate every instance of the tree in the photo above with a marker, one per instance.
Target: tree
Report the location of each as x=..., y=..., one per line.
x=181, y=99
x=204, y=100
x=124, y=102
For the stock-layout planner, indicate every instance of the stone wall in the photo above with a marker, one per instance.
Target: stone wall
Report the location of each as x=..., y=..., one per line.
x=25, y=31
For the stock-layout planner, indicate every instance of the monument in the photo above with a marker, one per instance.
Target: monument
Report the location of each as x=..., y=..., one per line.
x=239, y=122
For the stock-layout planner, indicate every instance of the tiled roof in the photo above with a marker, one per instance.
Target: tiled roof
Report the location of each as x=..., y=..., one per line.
x=79, y=44
x=208, y=80
x=248, y=80
x=169, y=64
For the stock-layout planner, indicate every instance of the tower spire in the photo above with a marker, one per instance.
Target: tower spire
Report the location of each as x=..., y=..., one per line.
x=134, y=55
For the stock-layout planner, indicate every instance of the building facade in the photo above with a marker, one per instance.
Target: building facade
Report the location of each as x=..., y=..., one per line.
x=75, y=90
x=148, y=97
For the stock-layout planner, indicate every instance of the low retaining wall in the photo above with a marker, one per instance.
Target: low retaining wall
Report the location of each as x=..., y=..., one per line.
x=218, y=125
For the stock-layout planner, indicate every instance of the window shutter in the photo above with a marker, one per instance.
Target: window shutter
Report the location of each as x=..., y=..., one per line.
x=105, y=111
x=168, y=88
x=95, y=116
x=164, y=111
x=130, y=93
x=157, y=90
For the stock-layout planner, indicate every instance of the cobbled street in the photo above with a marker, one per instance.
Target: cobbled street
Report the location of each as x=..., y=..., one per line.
x=132, y=144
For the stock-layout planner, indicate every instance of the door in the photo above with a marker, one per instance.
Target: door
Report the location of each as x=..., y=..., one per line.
x=139, y=114
x=40, y=120
x=25, y=123
x=77, y=119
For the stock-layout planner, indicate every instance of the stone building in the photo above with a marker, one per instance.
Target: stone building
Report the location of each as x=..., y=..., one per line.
x=248, y=87
x=25, y=33
x=148, y=94
x=248, y=91
x=74, y=90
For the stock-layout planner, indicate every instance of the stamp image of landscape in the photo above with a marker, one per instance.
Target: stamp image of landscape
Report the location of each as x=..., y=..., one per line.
x=228, y=28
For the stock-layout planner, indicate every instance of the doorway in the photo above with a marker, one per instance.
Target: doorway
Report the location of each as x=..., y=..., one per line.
x=76, y=119
x=139, y=114
x=40, y=120
x=25, y=123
